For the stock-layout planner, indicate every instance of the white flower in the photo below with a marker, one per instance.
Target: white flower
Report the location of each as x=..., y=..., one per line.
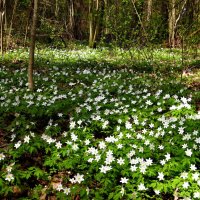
x=72, y=125
x=32, y=134
x=74, y=137
x=109, y=159
x=111, y=139
x=58, y=145
x=128, y=135
x=75, y=147
x=60, y=114
x=17, y=145
x=148, y=102
x=105, y=124
x=185, y=185
x=149, y=162
x=188, y=152
x=87, y=142
x=59, y=187
x=157, y=192
x=160, y=176
x=184, y=146
x=195, y=176
x=124, y=180
x=133, y=168
x=197, y=195
x=9, y=177
x=104, y=168
x=119, y=146
x=90, y=160
x=2, y=156
x=102, y=145
x=143, y=168
x=72, y=180
x=167, y=157
x=128, y=125
x=162, y=162
x=184, y=175
x=92, y=151
x=193, y=167
x=97, y=157
x=27, y=139
x=141, y=187
x=79, y=178
x=161, y=147
x=66, y=191
x=120, y=161
x=9, y=168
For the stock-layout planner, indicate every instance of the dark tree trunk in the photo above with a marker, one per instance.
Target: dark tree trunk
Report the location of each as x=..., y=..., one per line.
x=32, y=47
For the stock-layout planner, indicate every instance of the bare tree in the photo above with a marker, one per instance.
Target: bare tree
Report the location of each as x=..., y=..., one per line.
x=11, y=23
x=2, y=12
x=174, y=17
x=32, y=47
x=94, y=21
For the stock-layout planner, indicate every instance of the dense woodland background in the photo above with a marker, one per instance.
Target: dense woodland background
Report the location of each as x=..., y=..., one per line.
x=125, y=23
x=108, y=104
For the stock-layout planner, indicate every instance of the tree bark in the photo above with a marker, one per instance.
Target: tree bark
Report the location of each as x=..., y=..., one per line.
x=94, y=22
x=172, y=20
x=11, y=23
x=32, y=47
x=106, y=17
x=29, y=13
x=71, y=18
x=90, y=23
x=2, y=12
x=149, y=11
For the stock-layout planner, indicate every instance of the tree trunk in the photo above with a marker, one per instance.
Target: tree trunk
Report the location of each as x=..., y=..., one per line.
x=2, y=12
x=56, y=9
x=29, y=13
x=94, y=15
x=1, y=21
x=91, y=23
x=174, y=17
x=11, y=23
x=149, y=11
x=106, y=17
x=71, y=18
x=172, y=20
x=32, y=47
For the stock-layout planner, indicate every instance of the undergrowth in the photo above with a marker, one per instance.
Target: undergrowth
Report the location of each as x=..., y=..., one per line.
x=100, y=124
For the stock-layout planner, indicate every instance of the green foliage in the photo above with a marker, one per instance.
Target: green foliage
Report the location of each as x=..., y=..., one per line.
x=96, y=127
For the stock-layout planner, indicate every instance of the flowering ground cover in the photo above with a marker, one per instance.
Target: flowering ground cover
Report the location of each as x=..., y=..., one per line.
x=93, y=129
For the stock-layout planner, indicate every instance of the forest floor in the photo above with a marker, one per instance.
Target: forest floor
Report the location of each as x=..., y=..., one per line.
x=100, y=124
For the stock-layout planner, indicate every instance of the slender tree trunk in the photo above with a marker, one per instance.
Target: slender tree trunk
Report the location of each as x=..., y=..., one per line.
x=2, y=12
x=145, y=24
x=1, y=21
x=56, y=9
x=28, y=19
x=11, y=23
x=94, y=21
x=149, y=11
x=96, y=30
x=106, y=17
x=91, y=23
x=32, y=47
x=71, y=18
x=174, y=17
x=172, y=21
